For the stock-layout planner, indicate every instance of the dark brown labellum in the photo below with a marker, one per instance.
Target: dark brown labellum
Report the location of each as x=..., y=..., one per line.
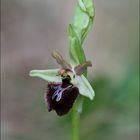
x=61, y=96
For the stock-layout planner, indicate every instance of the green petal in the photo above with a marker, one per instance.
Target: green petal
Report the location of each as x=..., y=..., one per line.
x=50, y=75
x=84, y=86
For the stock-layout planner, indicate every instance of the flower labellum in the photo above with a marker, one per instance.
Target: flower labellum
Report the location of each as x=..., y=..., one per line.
x=61, y=96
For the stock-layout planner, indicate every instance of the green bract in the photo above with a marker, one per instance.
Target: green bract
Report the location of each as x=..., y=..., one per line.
x=83, y=19
x=78, y=30
x=77, y=55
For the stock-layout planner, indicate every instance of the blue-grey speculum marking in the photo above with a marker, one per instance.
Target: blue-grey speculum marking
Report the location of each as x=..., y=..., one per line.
x=59, y=91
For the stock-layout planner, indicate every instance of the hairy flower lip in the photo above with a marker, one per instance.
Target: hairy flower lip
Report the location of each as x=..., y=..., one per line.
x=61, y=97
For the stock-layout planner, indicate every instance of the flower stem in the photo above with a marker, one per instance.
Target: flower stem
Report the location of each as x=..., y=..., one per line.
x=76, y=112
x=75, y=123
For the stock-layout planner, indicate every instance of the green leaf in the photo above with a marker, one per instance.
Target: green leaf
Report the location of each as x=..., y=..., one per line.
x=84, y=86
x=78, y=30
x=83, y=19
x=81, y=4
x=76, y=52
x=89, y=7
x=50, y=75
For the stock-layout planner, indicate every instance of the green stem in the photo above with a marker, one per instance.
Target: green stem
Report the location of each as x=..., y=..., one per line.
x=75, y=123
x=76, y=111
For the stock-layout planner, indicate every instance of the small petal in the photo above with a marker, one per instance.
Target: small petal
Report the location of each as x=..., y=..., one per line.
x=84, y=87
x=50, y=75
x=81, y=68
x=60, y=60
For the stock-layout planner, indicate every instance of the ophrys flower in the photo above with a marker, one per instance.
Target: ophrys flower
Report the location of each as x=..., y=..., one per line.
x=64, y=84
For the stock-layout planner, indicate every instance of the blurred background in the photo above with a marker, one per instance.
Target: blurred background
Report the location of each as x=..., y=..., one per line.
x=30, y=31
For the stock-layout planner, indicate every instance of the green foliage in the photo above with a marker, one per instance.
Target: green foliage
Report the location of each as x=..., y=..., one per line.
x=78, y=30
x=76, y=52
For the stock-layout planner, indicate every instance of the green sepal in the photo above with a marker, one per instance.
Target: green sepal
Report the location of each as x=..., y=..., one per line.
x=84, y=87
x=50, y=75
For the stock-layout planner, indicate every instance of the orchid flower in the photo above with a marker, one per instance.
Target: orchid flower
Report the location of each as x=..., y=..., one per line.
x=64, y=84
